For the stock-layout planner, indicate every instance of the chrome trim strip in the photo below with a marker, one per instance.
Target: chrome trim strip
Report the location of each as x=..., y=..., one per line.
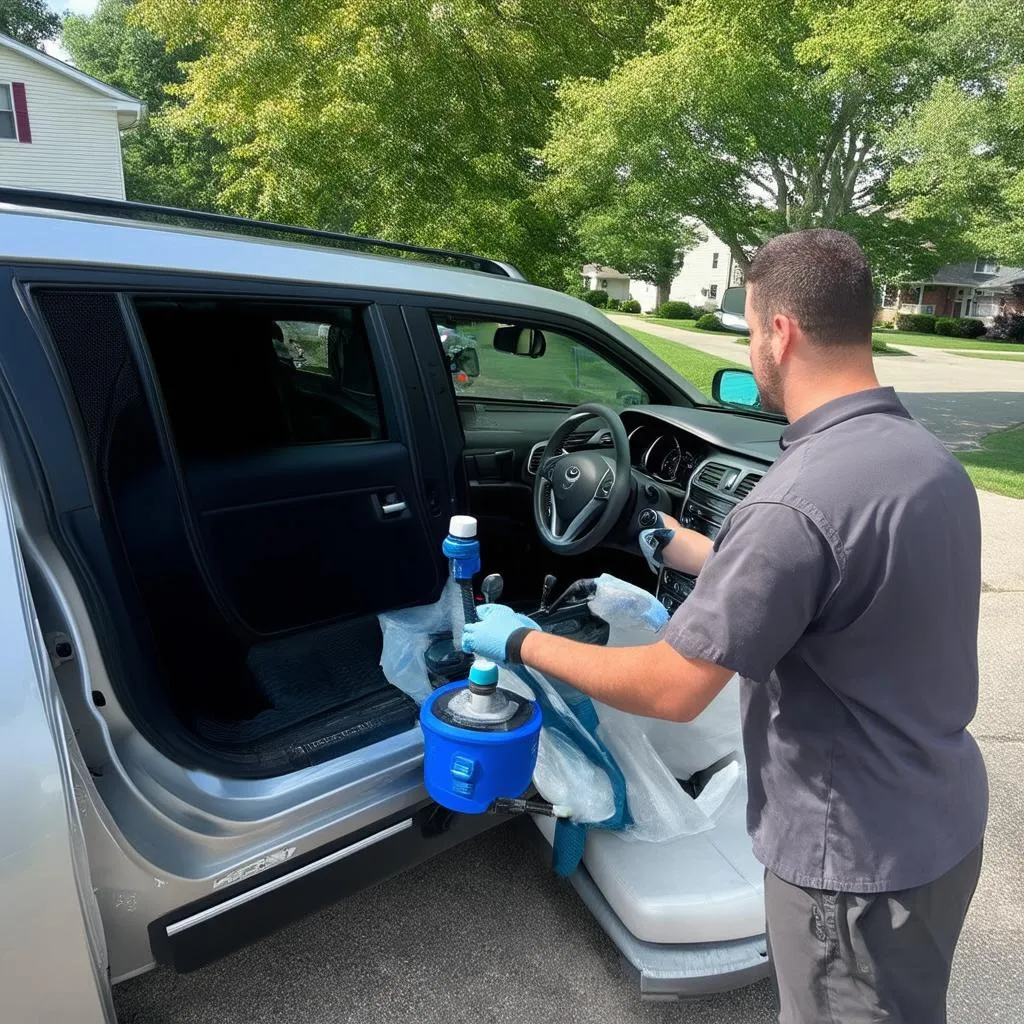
x=261, y=890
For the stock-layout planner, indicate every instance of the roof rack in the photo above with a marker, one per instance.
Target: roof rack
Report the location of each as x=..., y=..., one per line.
x=150, y=212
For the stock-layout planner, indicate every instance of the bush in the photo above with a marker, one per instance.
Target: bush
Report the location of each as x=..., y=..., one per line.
x=1007, y=327
x=946, y=326
x=675, y=311
x=968, y=327
x=614, y=304
x=630, y=306
x=597, y=298
x=709, y=322
x=922, y=323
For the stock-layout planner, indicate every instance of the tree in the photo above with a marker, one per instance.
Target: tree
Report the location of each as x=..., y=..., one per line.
x=960, y=154
x=29, y=21
x=759, y=119
x=163, y=163
x=403, y=119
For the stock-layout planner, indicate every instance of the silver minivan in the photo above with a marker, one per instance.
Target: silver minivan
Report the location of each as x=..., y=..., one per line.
x=227, y=447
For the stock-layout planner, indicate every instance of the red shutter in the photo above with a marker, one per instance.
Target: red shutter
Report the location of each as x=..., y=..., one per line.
x=21, y=111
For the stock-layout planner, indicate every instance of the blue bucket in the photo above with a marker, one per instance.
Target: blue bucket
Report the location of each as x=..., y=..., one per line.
x=466, y=767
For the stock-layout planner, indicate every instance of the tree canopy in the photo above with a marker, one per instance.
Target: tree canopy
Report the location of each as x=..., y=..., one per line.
x=163, y=163
x=760, y=119
x=29, y=21
x=411, y=120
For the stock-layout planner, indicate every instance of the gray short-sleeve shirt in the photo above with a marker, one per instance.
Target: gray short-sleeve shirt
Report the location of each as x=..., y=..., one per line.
x=845, y=591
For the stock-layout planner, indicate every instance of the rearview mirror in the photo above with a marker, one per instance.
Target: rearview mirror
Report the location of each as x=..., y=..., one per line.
x=734, y=300
x=736, y=387
x=520, y=341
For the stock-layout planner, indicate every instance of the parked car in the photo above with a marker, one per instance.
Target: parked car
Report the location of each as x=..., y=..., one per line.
x=198, y=741
x=731, y=313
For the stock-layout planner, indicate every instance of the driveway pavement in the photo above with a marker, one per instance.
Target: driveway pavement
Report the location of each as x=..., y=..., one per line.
x=959, y=399
x=487, y=933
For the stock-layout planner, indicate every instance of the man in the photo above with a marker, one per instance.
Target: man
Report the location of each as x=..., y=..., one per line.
x=844, y=590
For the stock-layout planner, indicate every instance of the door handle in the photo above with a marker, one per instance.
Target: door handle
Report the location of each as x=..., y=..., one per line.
x=394, y=508
x=389, y=504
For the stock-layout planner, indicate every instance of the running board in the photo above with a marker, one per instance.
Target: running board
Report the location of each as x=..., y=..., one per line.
x=194, y=935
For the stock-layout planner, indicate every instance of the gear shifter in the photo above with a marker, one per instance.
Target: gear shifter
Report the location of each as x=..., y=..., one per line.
x=550, y=582
x=491, y=587
x=654, y=538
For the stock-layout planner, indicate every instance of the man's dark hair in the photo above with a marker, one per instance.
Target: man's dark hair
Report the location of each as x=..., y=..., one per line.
x=821, y=278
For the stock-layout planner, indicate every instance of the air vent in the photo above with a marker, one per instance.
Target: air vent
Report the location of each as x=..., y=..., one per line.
x=711, y=475
x=746, y=485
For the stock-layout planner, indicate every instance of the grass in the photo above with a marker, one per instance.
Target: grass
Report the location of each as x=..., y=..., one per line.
x=688, y=325
x=697, y=367
x=878, y=346
x=999, y=465
x=938, y=341
x=1009, y=357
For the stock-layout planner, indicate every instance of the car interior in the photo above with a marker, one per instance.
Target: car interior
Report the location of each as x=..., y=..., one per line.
x=260, y=504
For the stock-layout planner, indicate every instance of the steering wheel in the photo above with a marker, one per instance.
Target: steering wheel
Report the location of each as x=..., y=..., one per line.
x=578, y=497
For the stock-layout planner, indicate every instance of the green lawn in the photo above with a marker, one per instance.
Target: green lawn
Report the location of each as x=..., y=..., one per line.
x=687, y=325
x=937, y=341
x=999, y=466
x=1009, y=357
x=697, y=367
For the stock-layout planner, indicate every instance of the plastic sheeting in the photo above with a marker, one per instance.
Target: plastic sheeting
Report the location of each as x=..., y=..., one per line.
x=650, y=754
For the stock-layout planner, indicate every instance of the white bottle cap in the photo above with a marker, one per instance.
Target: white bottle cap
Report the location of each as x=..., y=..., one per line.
x=462, y=526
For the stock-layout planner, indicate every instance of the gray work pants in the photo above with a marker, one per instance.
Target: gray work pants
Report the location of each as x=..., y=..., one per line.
x=849, y=958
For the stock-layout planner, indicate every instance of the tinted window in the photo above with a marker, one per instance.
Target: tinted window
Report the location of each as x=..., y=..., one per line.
x=568, y=373
x=238, y=377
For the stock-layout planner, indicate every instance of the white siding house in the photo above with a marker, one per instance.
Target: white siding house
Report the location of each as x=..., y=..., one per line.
x=708, y=269
x=60, y=130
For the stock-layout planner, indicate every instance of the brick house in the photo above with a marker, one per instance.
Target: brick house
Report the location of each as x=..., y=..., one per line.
x=976, y=288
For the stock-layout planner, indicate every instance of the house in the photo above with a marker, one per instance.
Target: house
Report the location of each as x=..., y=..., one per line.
x=600, y=278
x=60, y=129
x=708, y=269
x=976, y=288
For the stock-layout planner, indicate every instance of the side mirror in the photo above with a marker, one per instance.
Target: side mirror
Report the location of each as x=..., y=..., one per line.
x=468, y=362
x=520, y=341
x=736, y=387
x=734, y=300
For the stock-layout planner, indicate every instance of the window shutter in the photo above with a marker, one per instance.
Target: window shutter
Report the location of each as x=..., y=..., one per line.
x=21, y=112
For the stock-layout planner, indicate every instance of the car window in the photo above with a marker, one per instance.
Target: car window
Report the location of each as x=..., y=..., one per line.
x=565, y=372
x=240, y=377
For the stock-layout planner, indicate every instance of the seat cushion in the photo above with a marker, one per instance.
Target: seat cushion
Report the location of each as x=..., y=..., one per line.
x=698, y=888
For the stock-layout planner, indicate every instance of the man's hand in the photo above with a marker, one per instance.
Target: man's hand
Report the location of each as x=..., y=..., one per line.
x=683, y=549
x=489, y=637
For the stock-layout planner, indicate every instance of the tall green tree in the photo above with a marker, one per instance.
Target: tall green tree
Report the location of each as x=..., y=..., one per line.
x=29, y=21
x=416, y=120
x=164, y=162
x=759, y=119
x=960, y=154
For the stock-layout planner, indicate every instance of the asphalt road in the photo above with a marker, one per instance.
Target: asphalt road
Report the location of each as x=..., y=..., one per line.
x=487, y=935
x=957, y=398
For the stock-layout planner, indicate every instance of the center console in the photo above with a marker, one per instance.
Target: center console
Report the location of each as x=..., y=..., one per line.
x=716, y=487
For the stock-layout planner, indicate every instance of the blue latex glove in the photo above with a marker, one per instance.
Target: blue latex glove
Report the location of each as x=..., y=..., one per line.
x=489, y=636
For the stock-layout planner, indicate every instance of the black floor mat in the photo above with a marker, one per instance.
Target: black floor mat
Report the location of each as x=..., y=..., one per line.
x=326, y=695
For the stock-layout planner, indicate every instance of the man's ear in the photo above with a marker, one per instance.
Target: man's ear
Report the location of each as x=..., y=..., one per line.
x=784, y=332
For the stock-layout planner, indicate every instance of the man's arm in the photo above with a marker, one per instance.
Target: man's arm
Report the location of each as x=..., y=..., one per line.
x=653, y=680
x=688, y=550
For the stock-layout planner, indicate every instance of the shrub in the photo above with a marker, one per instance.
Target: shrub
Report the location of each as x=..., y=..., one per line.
x=614, y=304
x=597, y=298
x=1007, y=327
x=968, y=327
x=675, y=311
x=922, y=323
x=946, y=326
x=630, y=306
x=709, y=322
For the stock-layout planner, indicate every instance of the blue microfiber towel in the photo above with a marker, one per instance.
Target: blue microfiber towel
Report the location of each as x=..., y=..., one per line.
x=579, y=726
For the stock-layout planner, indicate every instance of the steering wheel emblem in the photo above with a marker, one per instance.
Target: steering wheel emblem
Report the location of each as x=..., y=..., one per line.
x=572, y=474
